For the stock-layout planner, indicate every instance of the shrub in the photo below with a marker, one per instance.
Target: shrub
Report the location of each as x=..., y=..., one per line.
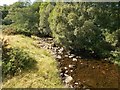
x=14, y=60
x=45, y=9
x=76, y=27
x=116, y=56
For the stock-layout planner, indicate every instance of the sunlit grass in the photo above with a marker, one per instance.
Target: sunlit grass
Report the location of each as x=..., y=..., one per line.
x=44, y=76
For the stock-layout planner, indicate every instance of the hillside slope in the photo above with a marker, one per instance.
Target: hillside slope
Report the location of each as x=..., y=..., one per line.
x=45, y=75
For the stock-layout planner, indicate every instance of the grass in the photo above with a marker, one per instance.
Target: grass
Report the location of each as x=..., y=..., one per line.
x=44, y=76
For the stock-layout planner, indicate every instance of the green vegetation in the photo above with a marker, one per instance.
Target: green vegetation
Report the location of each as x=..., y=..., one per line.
x=78, y=26
x=45, y=9
x=43, y=73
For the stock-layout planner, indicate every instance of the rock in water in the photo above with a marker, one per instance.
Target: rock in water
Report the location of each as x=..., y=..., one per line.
x=66, y=55
x=74, y=59
x=71, y=66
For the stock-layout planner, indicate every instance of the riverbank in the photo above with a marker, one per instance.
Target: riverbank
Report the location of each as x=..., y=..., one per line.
x=57, y=66
x=45, y=75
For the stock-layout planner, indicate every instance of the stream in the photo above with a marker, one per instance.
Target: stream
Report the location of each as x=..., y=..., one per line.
x=77, y=72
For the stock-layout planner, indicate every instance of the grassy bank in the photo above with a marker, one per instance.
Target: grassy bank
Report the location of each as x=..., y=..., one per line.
x=43, y=75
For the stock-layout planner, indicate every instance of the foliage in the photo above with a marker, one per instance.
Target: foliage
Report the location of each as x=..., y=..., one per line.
x=41, y=75
x=14, y=60
x=24, y=18
x=116, y=56
x=45, y=9
x=81, y=26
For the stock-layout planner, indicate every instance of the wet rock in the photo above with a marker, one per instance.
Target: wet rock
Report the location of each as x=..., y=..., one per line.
x=71, y=70
x=81, y=63
x=76, y=83
x=68, y=79
x=66, y=55
x=72, y=55
x=58, y=57
x=68, y=52
x=74, y=59
x=65, y=68
x=61, y=49
x=60, y=52
x=78, y=57
x=93, y=67
x=71, y=66
x=66, y=75
x=62, y=74
x=66, y=71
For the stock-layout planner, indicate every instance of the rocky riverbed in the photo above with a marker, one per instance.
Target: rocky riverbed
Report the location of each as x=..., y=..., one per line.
x=77, y=72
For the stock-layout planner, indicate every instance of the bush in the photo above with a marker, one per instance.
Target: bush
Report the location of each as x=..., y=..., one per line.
x=24, y=19
x=76, y=27
x=116, y=56
x=14, y=60
x=45, y=9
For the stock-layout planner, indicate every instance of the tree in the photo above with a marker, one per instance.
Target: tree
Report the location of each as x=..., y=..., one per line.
x=24, y=17
x=45, y=9
x=80, y=26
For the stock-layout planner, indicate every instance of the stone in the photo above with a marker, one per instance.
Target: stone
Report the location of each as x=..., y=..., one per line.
x=74, y=59
x=59, y=57
x=78, y=57
x=66, y=71
x=81, y=63
x=68, y=79
x=72, y=55
x=66, y=55
x=71, y=70
x=66, y=75
x=93, y=67
x=61, y=49
x=65, y=68
x=71, y=66
x=76, y=83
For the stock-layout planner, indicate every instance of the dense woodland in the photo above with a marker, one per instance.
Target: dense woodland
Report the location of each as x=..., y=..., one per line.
x=92, y=28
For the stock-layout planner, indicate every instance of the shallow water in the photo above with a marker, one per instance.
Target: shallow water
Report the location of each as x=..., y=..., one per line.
x=88, y=73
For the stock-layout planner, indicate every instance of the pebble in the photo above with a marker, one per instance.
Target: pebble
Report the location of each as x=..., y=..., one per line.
x=78, y=57
x=59, y=57
x=71, y=70
x=66, y=75
x=68, y=79
x=66, y=71
x=74, y=59
x=65, y=68
x=66, y=55
x=71, y=66
x=70, y=56
x=81, y=63
x=76, y=83
x=61, y=49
